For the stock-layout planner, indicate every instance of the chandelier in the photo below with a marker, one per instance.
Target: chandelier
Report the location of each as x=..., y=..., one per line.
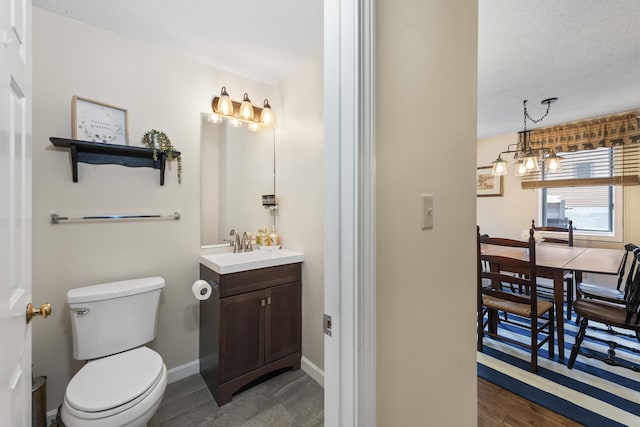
x=526, y=157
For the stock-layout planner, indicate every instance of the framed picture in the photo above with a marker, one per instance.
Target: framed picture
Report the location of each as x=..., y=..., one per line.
x=97, y=122
x=488, y=185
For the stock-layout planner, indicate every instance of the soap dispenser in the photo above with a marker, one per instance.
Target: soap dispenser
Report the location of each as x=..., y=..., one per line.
x=274, y=239
x=261, y=237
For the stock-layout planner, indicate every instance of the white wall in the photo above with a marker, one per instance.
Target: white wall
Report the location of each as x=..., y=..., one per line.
x=299, y=187
x=161, y=90
x=426, y=137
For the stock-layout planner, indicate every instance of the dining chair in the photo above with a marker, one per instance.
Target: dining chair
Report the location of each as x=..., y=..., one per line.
x=605, y=293
x=623, y=316
x=559, y=236
x=562, y=236
x=527, y=309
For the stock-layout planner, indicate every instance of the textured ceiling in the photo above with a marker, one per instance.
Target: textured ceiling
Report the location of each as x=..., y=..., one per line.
x=585, y=52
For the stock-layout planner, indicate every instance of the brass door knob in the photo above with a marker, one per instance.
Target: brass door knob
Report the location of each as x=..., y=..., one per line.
x=44, y=311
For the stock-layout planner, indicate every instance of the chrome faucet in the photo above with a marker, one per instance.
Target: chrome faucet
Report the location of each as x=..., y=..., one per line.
x=245, y=244
x=235, y=241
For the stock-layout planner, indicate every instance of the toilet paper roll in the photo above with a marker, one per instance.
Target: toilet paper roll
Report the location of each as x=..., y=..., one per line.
x=201, y=290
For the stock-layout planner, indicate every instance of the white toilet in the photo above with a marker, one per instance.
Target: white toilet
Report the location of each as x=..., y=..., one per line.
x=123, y=382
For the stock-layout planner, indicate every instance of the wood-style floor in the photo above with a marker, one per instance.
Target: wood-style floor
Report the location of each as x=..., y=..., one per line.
x=500, y=407
x=294, y=399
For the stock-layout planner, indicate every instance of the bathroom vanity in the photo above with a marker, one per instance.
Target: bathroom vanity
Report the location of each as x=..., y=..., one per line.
x=251, y=324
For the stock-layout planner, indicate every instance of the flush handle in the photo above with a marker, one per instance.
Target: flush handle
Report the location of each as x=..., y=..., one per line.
x=5, y=38
x=44, y=310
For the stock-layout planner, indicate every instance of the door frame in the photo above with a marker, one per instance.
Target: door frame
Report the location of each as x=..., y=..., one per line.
x=349, y=147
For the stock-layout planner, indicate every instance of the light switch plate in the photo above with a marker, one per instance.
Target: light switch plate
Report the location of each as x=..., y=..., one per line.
x=426, y=211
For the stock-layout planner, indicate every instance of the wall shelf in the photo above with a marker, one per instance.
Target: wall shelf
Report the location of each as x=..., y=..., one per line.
x=101, y=154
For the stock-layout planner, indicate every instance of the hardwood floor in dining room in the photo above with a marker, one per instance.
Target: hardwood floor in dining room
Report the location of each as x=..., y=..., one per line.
x=500, y=407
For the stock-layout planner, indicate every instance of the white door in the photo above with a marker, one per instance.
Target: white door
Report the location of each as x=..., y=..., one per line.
x=15, y=212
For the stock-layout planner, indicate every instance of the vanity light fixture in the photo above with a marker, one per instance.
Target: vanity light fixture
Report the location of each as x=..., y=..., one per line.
x=242, y=112
x=525, y=155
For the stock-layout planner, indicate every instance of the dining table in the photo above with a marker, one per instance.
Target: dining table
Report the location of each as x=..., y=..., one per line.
x=554, y=260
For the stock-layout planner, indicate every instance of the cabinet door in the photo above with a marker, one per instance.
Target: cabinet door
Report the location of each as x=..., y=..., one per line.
x=241, y=334
x=283, y=321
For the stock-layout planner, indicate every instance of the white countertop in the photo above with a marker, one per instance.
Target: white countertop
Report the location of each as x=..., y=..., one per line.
x=228, y=262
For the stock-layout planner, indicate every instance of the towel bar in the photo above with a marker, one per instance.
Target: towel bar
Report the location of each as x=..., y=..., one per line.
x=56, y=218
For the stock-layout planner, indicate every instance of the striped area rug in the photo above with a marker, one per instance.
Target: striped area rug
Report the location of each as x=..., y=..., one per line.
x=592, y=393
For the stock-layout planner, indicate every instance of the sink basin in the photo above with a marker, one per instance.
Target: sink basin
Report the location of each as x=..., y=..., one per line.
x=224, y=263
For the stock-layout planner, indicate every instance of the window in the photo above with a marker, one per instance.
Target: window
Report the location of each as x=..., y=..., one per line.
x=590, y=208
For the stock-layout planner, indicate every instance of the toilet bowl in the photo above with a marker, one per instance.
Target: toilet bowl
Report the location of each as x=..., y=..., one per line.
x=120, y=390
x=123, y=382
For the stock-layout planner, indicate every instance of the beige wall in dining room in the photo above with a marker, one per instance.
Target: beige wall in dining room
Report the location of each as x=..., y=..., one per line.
x=161, y=90
x=426, y=82
x=507, y=216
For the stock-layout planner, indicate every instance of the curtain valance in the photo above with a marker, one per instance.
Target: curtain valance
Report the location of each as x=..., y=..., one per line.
x=606, y=131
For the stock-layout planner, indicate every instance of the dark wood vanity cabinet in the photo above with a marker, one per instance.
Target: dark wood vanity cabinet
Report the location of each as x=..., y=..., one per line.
x=250, y=326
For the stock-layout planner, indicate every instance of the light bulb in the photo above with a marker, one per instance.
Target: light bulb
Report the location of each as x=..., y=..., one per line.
x=266, y=116
x=553, y=163
x=246, y=109
x=499, y=167
x=235, y=123
x=225, y=106
x=531, y=162
x=521, y=169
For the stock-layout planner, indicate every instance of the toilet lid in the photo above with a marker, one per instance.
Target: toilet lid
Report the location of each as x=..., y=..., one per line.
x=112, y=381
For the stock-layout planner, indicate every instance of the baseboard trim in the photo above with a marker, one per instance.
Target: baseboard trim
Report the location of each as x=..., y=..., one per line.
x=312, y=370
x=183, y=371
x=193, y=367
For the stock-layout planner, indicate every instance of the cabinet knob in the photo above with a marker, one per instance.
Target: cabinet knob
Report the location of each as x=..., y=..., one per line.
x=262, y=303
x=269, y=300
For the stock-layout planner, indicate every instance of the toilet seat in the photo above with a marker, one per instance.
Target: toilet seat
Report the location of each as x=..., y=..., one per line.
x=110, y=385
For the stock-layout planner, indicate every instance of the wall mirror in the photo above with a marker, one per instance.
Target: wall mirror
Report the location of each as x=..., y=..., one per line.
x=237, y=166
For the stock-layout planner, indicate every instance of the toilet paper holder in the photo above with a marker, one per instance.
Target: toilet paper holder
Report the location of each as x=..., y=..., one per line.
x=203, y=289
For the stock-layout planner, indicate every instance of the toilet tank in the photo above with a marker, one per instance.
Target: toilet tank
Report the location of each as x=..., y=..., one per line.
x=113, y=317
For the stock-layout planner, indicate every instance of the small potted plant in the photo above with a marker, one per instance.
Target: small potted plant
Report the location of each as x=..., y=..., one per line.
x=159, y=141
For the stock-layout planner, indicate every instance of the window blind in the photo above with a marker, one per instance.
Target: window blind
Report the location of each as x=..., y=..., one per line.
x=599, y=151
